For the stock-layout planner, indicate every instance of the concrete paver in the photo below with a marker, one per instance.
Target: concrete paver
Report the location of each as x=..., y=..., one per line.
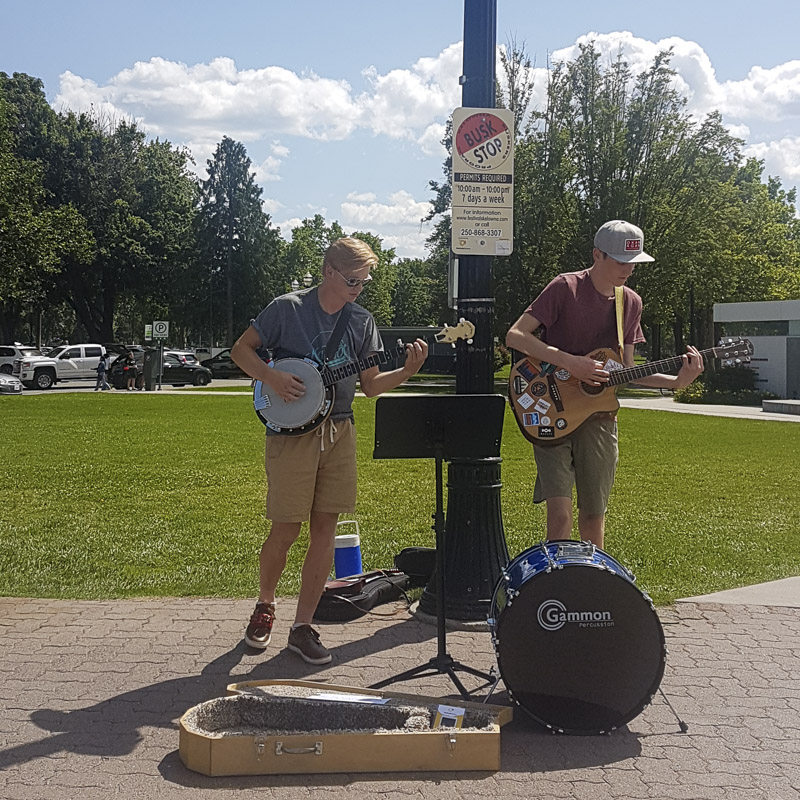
x=91, y=693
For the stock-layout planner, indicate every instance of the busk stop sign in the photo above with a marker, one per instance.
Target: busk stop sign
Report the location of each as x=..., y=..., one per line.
x=483, y=181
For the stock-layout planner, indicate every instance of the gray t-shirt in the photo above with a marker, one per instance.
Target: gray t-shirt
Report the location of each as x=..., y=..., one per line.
x=295, y=326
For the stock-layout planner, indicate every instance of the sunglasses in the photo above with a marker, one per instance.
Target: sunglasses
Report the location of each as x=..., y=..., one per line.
x=353, y=282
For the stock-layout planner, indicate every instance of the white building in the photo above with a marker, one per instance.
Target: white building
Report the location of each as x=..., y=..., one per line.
x=774, y=329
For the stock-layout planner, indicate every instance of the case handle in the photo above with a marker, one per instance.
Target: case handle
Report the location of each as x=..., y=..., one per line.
x=298, y=751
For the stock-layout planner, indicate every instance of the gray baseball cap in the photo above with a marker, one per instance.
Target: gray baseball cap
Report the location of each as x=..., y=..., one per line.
x=622, y=241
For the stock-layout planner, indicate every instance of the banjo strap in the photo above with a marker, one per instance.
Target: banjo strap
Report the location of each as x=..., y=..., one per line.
x=338, y=332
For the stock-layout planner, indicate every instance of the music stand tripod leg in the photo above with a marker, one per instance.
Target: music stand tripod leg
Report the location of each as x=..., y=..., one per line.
x=443, y=663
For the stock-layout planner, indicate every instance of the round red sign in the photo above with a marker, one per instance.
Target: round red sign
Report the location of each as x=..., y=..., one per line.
x=483, y=141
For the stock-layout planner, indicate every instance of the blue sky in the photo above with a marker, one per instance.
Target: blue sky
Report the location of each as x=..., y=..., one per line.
x=341, y=105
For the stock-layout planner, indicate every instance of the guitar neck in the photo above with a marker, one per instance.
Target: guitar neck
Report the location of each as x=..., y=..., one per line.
x=628, y=374
x=331, y=375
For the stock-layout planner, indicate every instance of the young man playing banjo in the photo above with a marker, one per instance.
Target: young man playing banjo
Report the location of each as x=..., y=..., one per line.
x=313, y=476
x=576, y=315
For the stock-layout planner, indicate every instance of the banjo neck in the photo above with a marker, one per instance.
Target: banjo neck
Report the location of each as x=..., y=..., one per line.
x=447, y=335
x=331, y=375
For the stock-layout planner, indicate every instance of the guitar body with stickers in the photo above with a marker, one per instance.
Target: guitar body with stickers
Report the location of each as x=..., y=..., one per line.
x=548, y=403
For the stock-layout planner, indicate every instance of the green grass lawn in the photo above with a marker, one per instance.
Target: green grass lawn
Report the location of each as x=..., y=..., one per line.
x=113, y=495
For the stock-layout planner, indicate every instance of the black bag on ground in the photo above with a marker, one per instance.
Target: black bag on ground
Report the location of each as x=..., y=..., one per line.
x=418, y=563
x=345, y=599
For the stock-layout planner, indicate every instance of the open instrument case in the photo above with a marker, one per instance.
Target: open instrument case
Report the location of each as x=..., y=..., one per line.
x=290, y=727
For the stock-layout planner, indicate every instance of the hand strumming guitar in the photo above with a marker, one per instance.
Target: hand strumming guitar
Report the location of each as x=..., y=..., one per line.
x=586, y=369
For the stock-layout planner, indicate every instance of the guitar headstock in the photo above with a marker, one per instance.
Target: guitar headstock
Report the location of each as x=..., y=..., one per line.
x=734, y=351
x=451, y=334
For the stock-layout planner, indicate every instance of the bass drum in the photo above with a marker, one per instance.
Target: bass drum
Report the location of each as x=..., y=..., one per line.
x=579, y=646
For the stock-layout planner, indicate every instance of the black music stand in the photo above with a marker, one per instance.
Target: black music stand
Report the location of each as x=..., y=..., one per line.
x=440, y=427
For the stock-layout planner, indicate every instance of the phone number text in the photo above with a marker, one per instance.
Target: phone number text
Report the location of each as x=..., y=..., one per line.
x=488, y=233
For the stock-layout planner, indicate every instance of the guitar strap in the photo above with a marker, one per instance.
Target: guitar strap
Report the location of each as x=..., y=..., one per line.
x=620, y=307
x=338, y=332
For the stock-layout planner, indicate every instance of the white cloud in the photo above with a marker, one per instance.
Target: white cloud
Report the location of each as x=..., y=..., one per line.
x=287, y=226
x=739, y=131
x=407, y=245
x=363, y=197
x=267, y=170
x=207, y=101
x=271, y=205
x=402, y=209
x=402, y=103
x=781, y=158
x=431, y=141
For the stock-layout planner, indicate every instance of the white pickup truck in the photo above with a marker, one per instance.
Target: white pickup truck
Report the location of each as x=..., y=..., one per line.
x=65, y=363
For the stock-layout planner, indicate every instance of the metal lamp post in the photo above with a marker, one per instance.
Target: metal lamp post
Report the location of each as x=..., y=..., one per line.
x=475, y=546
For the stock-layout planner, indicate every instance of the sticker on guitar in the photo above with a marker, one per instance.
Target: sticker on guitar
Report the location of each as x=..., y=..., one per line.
x=308, y=412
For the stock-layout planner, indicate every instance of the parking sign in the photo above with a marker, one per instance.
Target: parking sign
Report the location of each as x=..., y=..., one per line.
x=160, y=329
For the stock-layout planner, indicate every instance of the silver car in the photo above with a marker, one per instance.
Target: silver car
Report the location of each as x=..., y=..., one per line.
x=9, y=384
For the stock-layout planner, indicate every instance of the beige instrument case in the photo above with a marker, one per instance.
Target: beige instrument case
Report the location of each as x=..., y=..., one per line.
x=285, y=727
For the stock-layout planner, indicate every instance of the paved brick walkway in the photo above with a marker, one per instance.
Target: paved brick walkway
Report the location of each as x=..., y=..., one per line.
x=91, y=692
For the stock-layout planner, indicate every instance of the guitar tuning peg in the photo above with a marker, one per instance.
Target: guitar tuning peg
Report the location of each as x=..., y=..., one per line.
x=469, y=341
x=461, y=319
x=452, y=344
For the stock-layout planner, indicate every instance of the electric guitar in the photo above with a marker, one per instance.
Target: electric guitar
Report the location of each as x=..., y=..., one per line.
x=548, y=403
x=309, y=411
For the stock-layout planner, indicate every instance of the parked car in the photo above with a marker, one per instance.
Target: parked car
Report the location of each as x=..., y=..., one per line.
x=9, y=353
x=177, y=370
x=64, y=363
x=118, y=377
x=10, y=384
x=185, y=356
x=223, y=366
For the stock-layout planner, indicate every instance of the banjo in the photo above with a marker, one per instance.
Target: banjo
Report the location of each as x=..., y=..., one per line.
x=309, y=411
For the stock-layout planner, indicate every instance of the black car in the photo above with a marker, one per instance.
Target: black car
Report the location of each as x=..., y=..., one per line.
x=223, y=366
x=177, y=371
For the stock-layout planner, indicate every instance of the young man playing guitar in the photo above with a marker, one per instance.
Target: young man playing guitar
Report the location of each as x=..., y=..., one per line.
x=313, y=476
x=575, y=315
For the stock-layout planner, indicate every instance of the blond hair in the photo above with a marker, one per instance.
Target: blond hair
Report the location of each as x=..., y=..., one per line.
x=347, y=255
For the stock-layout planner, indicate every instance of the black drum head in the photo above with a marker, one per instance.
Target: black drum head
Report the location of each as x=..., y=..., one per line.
x=580, y=649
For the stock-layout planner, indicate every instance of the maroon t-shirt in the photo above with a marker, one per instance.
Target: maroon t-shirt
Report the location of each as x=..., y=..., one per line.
x=577, y=319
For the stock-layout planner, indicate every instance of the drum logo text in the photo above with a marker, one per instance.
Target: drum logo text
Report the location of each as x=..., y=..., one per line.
x=553, y=615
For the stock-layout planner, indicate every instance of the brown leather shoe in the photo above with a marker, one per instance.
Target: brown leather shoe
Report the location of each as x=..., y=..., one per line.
x=259, y=630
x=305, y=642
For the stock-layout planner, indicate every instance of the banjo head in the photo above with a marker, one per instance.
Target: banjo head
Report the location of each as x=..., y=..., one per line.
x=285, y=417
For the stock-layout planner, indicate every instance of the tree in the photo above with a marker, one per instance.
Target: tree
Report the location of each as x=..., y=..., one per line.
x=304, y=254
x=34, y=239
x=419, y=293
x=239, y=247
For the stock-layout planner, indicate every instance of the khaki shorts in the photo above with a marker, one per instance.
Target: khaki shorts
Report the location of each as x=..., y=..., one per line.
x=587, y=460
x=316, y=471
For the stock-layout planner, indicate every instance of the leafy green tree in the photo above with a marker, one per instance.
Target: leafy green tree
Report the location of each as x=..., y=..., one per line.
x=419, y=293
x=34, y=238
x=304, y=254
x=240, y=250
